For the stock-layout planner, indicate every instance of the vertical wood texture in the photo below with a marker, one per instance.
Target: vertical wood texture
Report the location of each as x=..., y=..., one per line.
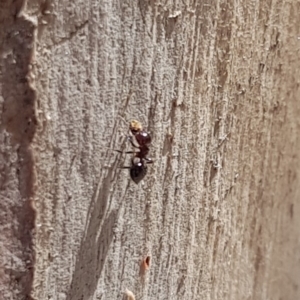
x=218, y=85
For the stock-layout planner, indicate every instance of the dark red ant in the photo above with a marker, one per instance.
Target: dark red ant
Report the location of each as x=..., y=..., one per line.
x=138, y=168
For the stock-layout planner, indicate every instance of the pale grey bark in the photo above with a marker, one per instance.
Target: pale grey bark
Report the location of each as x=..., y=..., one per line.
x=217, y=84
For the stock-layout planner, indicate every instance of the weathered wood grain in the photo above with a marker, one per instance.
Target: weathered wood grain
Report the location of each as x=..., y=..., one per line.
x=217, y=84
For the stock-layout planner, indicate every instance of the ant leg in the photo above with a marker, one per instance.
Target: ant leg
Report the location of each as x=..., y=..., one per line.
x=131, y=142
x=126, y=152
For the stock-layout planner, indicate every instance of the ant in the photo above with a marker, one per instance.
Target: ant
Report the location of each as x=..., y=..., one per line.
x=138, y=168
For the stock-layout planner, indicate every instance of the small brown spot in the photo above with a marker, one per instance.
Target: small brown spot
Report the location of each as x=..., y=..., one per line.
x=146, y=264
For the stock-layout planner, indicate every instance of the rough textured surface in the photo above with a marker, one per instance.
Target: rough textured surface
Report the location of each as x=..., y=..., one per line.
x=218, y=85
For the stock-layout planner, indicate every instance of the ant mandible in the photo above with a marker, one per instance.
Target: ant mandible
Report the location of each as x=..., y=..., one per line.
x=139, y=161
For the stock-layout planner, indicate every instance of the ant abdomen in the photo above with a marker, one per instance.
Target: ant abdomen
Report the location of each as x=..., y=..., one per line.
x=138, y=171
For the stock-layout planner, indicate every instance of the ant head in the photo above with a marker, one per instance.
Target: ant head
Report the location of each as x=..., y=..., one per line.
x=135, y=126
x=138, y=171
x=143, y=138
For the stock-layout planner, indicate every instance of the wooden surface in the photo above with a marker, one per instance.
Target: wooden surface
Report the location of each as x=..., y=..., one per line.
x=218, y=85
